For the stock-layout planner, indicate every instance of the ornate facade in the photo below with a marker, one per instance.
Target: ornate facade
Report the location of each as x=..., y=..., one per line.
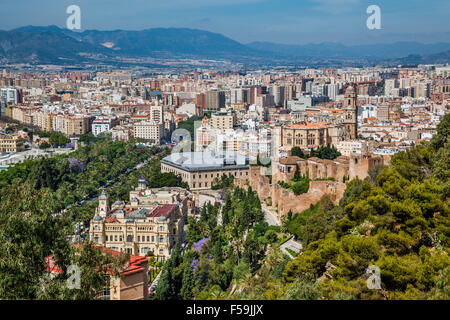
x=152, y=222
x=313, y=135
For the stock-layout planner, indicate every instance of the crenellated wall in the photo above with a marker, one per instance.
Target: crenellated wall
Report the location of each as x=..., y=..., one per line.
x=285, y=200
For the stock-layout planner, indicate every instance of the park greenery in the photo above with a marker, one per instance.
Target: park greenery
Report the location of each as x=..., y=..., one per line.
x=190, y=123
x=31, y=234
x=323, y=152
x=299, y=185
x=56, y=139
x=225, y=246
x=224, y=182
x=41, y=198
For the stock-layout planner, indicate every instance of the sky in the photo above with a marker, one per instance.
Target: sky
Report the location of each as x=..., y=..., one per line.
x=280, y=21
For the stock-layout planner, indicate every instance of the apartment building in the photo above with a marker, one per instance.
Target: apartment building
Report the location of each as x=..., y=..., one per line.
x=149, y=130
x=10, y=143
x=352, y=147
x=214, y=100
x=101, y=125
x=223, y=120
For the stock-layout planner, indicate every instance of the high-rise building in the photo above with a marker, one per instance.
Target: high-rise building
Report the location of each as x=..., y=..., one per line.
x=214, y=100
x=278, y=93
x=239, y=95
x=157, y=114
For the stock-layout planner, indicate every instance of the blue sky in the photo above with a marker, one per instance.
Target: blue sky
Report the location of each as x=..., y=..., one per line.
x=282, y=21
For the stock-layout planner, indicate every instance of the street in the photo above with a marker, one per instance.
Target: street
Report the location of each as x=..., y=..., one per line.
x=270, y=217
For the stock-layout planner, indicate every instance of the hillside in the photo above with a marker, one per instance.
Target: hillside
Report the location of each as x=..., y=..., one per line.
x=53, y=45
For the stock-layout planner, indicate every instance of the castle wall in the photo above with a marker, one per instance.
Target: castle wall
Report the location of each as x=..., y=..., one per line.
x=285, y=200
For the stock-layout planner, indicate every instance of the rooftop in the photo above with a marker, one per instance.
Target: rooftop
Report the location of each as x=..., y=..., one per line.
x=208, y=160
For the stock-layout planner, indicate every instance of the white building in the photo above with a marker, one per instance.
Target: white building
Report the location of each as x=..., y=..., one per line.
x=149, y=130
x=352, y=148
x=101, y=125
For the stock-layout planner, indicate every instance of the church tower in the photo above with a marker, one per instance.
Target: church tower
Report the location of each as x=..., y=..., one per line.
x=142, y=184
x=350, y=114
x=103, y=205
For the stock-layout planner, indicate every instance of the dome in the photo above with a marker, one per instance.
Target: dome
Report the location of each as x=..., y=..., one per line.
x=97, y=218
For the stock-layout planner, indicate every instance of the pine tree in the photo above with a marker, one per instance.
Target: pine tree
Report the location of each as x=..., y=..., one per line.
x=187, y=283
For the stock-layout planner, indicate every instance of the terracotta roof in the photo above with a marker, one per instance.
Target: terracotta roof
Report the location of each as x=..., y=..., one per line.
x=134, y=263
x=162, y=210
x=308, y=125
x=290, y=160
x=111, y=220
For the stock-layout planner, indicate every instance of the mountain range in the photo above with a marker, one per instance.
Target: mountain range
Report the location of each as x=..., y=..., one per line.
x=54, y=45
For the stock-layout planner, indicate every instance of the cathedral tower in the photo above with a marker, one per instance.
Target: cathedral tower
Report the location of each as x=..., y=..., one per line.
x=350, y=114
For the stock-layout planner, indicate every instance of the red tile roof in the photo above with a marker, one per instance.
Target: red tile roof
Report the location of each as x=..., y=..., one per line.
x=134, y=263
x=163, y=210
x=111, y=220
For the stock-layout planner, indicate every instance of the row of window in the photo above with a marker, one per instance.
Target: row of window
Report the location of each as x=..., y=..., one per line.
x=115, y=238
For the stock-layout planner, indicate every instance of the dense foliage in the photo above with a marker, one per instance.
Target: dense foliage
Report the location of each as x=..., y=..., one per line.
x=323, y=152
x=225, y=246
x=299, y=184
x=399, y=222
x=30, y=234
x=38, y=205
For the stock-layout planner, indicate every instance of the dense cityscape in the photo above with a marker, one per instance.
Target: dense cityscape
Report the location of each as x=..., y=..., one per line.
x=203, y=179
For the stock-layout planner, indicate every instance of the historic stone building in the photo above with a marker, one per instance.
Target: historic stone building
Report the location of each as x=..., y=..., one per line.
x=202, y=169
x=313, y=135
x=350, y=114
x=152, y=222
x=319, y=171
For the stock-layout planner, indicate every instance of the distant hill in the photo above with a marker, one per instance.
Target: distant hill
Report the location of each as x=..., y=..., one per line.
x=174, y=41
x=337, y=50
x=45, y=45
x=53, y=45
x=441, y=58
